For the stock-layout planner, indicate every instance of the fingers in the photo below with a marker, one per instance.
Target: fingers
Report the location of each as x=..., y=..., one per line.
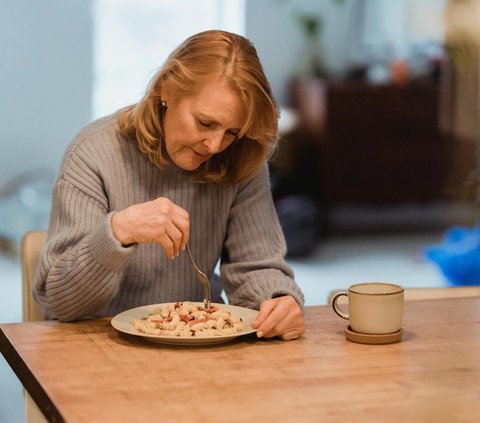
x=266, y=308
x=181, y=222
x=159, y=221
x=280, y=317
x=173, y=226
x=170, y=240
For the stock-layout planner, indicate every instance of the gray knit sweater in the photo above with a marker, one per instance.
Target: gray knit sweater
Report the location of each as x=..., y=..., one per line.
x=85, y=272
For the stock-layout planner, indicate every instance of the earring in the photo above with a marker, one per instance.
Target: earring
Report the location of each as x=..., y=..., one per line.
x=163, y=108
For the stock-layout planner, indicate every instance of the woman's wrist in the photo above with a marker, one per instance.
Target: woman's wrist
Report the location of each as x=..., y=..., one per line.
x=119, y=230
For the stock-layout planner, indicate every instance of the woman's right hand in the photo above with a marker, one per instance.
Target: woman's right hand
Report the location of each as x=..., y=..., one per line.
x=159, y=221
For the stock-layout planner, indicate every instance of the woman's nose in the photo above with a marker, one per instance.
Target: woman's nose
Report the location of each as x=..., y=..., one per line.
x=213, y=142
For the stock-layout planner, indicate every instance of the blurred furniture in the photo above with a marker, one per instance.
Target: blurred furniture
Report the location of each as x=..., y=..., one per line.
x=459, y=111
x=383, y=144
x=31, y=247
x=450, y=292
x=88, y=372
x=428, y=293
x=375, y=144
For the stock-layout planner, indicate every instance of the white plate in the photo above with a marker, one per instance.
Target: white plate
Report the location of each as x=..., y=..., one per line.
x=123, y=322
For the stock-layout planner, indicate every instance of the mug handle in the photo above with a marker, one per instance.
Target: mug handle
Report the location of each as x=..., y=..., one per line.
x=336, y=307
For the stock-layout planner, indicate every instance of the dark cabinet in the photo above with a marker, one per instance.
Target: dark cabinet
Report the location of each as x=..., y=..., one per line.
x=379, y=145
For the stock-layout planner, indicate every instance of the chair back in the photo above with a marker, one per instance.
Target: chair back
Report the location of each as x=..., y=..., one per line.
x=31, y=247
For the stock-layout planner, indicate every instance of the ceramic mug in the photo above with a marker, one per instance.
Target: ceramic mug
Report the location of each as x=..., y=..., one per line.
x=373, y=307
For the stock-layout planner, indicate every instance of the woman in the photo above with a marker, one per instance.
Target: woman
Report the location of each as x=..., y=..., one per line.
x=187, y=164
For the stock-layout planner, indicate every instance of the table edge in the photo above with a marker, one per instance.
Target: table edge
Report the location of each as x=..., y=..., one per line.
x=28, y=380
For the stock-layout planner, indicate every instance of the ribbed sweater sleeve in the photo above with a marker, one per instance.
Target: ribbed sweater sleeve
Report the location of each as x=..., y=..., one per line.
x=253, y=266
x=85, y=272
x=83, y=264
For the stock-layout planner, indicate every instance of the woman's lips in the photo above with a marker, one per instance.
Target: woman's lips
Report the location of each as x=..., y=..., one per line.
x=200, y=155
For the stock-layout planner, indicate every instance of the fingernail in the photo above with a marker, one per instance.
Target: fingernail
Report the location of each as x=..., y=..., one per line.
x=259, y=334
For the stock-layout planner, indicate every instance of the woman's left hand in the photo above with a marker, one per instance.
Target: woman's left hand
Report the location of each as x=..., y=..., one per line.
x=282, y=317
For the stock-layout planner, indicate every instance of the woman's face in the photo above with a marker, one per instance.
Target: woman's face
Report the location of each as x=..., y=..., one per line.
x=201, y=125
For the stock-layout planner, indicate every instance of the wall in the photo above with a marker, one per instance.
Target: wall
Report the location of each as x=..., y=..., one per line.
x=45, y=81
x=272, y=26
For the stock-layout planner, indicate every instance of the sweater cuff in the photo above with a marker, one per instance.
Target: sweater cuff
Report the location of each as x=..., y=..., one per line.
x=296, y=297
x=106, y=249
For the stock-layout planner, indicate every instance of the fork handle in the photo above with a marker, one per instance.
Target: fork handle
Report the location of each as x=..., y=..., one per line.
x=206, y=287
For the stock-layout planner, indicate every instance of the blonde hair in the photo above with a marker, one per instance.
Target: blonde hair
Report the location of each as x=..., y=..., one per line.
x=207, y=55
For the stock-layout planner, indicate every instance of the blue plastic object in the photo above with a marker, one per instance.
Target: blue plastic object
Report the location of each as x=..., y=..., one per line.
x=458, y=256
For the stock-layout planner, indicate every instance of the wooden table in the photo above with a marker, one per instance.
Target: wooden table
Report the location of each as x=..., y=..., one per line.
x=88, y=372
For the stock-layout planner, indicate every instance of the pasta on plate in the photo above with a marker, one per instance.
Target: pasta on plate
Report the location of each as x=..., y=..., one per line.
x=185, y=319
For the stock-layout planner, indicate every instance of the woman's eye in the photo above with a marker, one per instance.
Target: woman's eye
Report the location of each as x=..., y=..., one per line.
x=204, y=124
x=234, y=134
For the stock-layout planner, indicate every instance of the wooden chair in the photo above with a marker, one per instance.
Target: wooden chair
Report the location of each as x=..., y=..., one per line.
x=31, y=247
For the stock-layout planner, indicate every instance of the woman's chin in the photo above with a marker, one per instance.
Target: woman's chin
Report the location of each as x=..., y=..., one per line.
x=189, y=166
x=188, y=161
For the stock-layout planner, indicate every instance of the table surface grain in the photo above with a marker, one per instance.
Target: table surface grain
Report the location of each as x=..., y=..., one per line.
x=88, y=372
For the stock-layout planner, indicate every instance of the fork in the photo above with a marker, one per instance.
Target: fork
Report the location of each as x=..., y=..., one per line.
x=202, y=278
